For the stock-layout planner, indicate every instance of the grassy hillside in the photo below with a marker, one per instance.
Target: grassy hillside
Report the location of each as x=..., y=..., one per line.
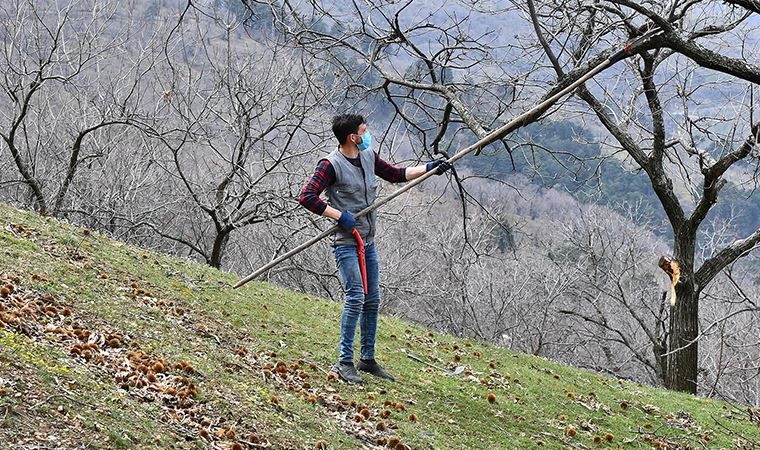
x=103, y=345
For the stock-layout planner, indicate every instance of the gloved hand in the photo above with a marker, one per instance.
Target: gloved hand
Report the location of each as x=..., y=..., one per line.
x=346, y=221
x=440, y=166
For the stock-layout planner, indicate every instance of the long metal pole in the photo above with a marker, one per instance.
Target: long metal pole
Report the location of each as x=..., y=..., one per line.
x=519, y=121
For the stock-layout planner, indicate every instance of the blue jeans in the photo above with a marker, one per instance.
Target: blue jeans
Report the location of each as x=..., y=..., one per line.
x=358, y=307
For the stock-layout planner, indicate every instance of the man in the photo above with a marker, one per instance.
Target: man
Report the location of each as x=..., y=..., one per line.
x=348, y=175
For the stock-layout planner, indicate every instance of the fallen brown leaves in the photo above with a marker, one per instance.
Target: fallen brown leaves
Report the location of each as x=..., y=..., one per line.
x=146, y=377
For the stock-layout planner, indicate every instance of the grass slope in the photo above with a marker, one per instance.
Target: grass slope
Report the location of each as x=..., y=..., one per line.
x=103, y=345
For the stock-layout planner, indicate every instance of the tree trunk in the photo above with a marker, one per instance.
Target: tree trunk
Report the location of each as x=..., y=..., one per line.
x=684, y=327
x=684, y=320
x=220, y=244
x=35, y=190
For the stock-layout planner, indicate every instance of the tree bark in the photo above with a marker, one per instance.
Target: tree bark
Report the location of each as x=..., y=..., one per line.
x=682, y=365
x=217, y=252
x=26, y=172
x=34, y=185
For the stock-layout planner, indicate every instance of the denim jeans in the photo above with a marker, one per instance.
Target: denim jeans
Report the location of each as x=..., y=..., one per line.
x=358, y=307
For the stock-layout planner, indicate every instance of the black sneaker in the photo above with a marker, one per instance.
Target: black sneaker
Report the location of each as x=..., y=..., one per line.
x=373, y=368
x=347, y=372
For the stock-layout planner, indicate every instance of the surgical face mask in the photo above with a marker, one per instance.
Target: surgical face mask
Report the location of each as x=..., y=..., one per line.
x=366, y=141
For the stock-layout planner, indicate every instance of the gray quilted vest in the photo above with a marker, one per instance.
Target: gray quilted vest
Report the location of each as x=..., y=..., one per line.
x=354, y=189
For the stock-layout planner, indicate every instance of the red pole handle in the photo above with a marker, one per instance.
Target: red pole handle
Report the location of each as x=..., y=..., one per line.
x=362, y=260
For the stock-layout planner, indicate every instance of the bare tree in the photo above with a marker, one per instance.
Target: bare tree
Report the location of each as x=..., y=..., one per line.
x=645, y=126
x=730, y=329
x=237, y=114
x=63, y=95
x=622, y=318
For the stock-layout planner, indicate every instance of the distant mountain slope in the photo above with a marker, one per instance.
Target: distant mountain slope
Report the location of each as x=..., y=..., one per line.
x=580, y=169
x=103, y=345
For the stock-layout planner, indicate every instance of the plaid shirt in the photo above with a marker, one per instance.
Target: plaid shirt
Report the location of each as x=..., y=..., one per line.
x=324, y=176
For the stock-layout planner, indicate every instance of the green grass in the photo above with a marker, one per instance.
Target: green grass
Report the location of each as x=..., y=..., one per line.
x=47, y=392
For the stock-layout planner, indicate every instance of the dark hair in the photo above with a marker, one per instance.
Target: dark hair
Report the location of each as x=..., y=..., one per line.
x=345, y=124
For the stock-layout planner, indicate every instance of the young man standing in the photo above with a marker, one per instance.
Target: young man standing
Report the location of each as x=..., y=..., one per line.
x=348, y=175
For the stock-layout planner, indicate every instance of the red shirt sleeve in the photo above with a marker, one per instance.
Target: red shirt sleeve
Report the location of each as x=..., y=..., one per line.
x=324, y=176
x=388, y=172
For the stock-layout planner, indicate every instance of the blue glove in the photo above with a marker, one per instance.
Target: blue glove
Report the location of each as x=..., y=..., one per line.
x=440, y=166
x=346, y=221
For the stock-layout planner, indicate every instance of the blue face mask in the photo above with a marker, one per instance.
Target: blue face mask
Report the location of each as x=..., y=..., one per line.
x=366, y=141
